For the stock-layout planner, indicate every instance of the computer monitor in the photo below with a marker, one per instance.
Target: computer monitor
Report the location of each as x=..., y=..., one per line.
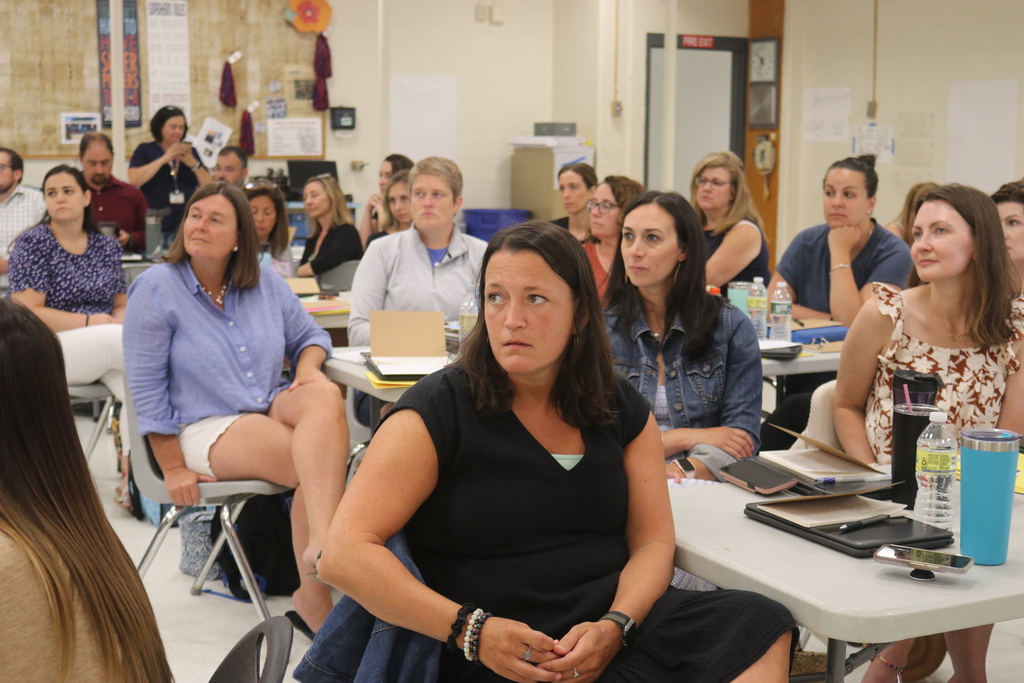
x=301, y=171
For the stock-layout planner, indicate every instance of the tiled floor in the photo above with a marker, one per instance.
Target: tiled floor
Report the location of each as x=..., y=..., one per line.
x=199, y=630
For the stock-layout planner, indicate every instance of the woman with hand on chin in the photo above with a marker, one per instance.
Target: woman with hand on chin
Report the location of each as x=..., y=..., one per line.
x=610, y=197
x=333, y=239
x=424, y=269
x=205, y=336
x=693, y=356
x=370, y=223
x=70, y=275
x=737, y=249
x=831, y=268
x=960, y=318
x=396, y=209
x=528, y=480
x=576, y=183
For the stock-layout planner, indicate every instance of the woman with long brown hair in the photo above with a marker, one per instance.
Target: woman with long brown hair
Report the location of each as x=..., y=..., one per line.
x=960, y=318
x=73, y=605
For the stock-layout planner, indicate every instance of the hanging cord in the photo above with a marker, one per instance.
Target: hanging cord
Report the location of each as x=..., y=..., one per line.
x=873, y=104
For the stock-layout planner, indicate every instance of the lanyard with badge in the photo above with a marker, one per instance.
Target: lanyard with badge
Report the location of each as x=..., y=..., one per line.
x=177, y=196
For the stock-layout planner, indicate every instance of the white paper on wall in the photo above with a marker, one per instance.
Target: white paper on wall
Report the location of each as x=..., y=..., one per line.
x=423, y=116
x=826, y=115
x=295, y=137
x=571, y=155
x=877, y=140
x=167, y=44
x=210, y=140
x=981, y=133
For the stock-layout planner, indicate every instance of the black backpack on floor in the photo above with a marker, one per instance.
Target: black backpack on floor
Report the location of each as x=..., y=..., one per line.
x=265, y=531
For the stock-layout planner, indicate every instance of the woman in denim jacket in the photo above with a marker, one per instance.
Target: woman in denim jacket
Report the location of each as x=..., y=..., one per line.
x=693, y=356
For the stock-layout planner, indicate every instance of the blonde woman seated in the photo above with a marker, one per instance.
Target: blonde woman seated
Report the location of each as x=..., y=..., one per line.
x=903, y=225
x=959, y=318
x=205, y=337
x=333, y=239
x=737, y=249
x=72, y=606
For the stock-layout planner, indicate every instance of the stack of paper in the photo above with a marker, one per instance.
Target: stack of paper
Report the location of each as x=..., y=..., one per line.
x=815, y=511
x=823, y=463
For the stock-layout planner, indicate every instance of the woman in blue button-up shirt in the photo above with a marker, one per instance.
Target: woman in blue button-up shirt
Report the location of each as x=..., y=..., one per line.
x=693, y=356
x=205, y=336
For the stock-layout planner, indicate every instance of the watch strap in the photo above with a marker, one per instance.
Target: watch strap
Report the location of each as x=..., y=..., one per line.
x=686, y=467
x=618, y=617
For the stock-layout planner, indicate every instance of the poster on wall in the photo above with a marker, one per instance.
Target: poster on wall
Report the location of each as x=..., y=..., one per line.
x=877, y=140
x=132, y=82
x=981, y=133
x=73, y=125
x=827, y=115
x=211, y=139
x=295, y=137
x=168, y=45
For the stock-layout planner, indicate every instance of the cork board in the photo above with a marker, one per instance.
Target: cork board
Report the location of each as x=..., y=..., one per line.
x=49, y=64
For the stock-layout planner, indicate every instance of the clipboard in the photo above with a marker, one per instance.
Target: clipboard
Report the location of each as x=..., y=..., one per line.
x=861, y=542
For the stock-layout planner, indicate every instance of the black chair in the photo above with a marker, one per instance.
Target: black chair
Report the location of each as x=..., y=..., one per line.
x=242, y=665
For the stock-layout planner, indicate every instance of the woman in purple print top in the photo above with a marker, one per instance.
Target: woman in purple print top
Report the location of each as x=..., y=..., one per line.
x=70, y=275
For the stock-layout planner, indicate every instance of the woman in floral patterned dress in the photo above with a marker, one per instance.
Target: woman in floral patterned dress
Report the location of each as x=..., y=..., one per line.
x=960, y=318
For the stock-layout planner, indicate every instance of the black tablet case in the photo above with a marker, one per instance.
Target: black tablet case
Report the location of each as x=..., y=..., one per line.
x=862, y=542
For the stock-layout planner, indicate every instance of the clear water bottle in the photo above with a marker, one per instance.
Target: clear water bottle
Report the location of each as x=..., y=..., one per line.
x=468, y=313
x=782, y=313
x=937, y=451
x=757, y=307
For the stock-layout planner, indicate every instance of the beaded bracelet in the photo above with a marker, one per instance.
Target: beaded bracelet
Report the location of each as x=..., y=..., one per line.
x=460, y=619
x=471, y=643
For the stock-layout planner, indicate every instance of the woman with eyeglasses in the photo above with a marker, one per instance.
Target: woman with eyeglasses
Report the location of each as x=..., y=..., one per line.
x=396, y=209
x=692, y=355
x=333, y=239
x=167, y=170
x=610, y=197
x=370, y=224
x=576, y=183
x=737, y=249
x=268, y=210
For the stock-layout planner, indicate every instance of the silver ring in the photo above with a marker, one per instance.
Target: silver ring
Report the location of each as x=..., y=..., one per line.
x=575, y=673
x=526, y=657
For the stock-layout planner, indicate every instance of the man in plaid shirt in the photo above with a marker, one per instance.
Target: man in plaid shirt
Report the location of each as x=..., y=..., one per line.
x=20, y=207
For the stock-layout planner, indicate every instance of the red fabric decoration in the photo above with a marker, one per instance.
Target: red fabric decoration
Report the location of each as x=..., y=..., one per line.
x=227, y=87
x=322, y=58
x=322, y=69
x=247, y=141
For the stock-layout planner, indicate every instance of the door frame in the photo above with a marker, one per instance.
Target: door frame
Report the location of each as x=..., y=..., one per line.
x=738, y=120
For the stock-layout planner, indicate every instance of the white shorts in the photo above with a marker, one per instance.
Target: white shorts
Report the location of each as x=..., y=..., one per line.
x=197, y=439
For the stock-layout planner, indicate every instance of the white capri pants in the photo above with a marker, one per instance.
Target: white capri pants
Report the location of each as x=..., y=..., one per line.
x=94, y=354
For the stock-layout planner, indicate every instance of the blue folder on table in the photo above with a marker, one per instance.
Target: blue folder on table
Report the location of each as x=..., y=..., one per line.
x=814, y=334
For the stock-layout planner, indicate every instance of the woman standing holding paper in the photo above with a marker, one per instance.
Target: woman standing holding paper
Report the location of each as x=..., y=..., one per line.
x=960, y=318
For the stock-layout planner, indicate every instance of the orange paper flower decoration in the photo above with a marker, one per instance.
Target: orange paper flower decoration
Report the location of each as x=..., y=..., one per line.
x=309, y=15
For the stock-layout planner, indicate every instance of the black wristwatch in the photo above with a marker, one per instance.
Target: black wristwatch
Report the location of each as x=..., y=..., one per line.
x=627, y=625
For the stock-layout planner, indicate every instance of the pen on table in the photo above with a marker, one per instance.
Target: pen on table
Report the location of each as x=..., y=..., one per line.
x=860, y=524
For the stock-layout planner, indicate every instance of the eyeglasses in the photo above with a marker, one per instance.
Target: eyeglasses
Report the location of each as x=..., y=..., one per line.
x=715, y=182
x=602, y=207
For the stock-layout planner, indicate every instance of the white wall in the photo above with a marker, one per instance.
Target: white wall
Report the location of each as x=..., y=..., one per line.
x=923, y=46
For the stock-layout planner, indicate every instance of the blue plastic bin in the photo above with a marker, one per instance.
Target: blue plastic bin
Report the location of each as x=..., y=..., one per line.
x=483, y=223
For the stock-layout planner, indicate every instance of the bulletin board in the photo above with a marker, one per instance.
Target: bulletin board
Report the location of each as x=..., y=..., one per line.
x=49, y=64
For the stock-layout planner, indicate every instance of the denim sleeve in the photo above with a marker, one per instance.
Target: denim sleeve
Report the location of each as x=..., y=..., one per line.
x=369, y=288
x=741, y=401
x=147, y=338
x=300, y=330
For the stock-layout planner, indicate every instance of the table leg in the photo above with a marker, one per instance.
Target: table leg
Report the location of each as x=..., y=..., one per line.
x=835, y=663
